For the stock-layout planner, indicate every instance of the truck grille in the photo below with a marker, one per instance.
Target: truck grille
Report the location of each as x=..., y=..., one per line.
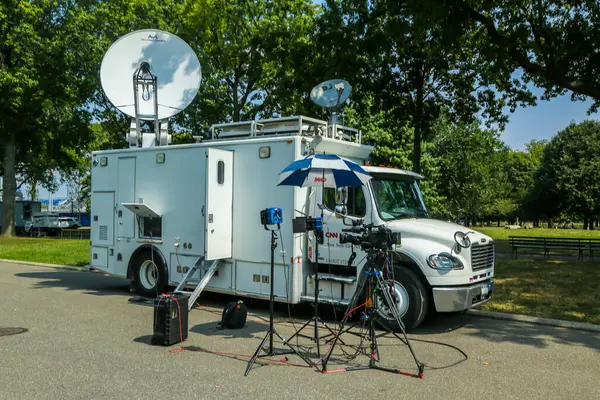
x=482, y=256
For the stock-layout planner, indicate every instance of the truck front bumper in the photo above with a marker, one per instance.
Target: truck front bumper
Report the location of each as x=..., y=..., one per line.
x=460, y=298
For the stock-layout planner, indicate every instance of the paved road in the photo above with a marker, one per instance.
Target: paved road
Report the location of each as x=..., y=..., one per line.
x=87, y=341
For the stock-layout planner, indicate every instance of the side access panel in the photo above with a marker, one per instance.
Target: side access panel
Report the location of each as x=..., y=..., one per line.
x=219, y=204
x=103, y=218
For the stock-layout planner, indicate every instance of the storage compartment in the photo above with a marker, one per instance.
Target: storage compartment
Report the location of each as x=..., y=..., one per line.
x=103, y=218
x=99, y=257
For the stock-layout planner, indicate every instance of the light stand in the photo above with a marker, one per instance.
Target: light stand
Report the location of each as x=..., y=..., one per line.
x=270, y=216
x=315, y=225
x=371, y=280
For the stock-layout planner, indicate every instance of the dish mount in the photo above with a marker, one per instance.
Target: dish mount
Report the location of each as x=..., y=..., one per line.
x=150, y=75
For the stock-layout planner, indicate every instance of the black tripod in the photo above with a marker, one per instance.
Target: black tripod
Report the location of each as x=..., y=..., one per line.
x=316, y=320
x=371, y=283
x=272, y=330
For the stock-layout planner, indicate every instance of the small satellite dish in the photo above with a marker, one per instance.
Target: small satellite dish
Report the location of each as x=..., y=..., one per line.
x=150, y=54
x=331, y=93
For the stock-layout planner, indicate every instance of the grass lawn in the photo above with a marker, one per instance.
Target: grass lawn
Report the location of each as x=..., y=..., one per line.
x=52, y=251
x=567, y=290
x=503, y=234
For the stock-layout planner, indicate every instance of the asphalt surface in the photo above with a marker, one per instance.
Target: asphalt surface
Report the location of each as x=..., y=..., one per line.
x=86, y=340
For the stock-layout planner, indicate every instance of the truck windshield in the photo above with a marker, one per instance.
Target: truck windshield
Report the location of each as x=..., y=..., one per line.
x=398, y=197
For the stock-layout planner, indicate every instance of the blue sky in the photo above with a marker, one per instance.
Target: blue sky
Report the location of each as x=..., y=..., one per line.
x=544, y=120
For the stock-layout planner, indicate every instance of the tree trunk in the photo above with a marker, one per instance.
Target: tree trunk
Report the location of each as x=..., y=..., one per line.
x=585, y=222
x=498, y=223
x=550, y=224
x=9, y=187
x=33, y=191
x=418, y=118
x=597, y=219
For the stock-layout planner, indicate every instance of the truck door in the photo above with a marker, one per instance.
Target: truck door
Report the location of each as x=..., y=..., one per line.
x=331, y=251
x=125, y=194
x=219, y=204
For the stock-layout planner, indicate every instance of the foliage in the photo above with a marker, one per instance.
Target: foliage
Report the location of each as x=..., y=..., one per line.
x=404, y=60
x=568, y=179
x=554, y=42
x=470, y=167
x=249, y=54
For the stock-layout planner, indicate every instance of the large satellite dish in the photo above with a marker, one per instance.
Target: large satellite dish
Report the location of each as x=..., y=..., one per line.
x=150, y=55
x=331, y=93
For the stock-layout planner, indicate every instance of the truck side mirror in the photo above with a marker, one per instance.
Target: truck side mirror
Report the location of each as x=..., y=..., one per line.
x=341, y=211
x=341, y=194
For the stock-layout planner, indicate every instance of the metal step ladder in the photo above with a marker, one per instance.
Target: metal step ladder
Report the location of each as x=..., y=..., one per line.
x=198, y=265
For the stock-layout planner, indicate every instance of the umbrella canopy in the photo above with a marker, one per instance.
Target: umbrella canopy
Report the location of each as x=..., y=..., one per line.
x=324, y=170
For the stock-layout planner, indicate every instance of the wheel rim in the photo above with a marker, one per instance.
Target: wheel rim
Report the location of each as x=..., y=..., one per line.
x=148, y=274
x=401, y=299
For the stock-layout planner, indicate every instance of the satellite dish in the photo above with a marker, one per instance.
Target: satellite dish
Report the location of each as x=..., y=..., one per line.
x=331, y=93
x=155, y=56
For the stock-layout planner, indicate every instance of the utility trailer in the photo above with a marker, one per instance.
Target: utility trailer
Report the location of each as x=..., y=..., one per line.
x=159, y=214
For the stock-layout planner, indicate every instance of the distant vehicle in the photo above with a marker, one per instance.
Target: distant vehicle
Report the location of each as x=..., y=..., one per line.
x=44, y=223
x=68, y=223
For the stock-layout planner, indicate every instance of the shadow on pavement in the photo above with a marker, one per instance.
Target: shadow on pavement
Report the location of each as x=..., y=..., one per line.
x=87, y=282
x=497, y=331
x=248, y=331
x=540, y=336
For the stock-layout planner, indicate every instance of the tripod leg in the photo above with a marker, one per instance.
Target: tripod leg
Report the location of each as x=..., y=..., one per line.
x=396, y=314
x=255, y=355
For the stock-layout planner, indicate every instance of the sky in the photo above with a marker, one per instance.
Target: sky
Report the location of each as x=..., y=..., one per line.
x=544, y=120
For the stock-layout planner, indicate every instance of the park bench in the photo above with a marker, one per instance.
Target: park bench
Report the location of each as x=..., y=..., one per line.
x=554, y=244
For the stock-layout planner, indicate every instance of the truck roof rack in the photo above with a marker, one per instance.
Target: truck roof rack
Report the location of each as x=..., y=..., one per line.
x=285, y=126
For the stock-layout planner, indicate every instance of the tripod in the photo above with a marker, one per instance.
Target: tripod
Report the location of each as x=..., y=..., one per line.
x=316, y=320
x=272, y=330
x=370, y=282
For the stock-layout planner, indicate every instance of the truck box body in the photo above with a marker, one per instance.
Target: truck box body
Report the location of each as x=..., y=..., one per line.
x=189, y=201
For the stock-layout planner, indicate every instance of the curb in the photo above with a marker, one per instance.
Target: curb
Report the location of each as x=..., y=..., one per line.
x=55, y=266
x=536, y=320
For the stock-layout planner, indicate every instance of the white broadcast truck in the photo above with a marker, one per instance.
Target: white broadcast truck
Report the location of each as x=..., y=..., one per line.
x=156, y=211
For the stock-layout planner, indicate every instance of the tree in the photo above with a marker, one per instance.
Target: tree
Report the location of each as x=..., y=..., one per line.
x=247, y=51
x=568, y=180
x=554, y=43
x=404, y=59
x=470, y=167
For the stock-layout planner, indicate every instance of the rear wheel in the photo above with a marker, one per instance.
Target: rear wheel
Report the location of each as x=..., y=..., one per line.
x=410, y=297
x=149, y=274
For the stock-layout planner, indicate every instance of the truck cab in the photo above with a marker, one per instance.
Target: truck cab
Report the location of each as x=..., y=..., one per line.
x=437, y=265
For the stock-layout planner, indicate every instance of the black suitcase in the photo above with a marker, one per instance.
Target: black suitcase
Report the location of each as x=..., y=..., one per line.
x=170, y=321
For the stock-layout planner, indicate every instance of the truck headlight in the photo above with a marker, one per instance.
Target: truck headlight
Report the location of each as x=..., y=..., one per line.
x=444, y=261
x=462, y=239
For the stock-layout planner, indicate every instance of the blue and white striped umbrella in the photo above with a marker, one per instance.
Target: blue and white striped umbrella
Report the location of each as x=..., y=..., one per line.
x=325, y=170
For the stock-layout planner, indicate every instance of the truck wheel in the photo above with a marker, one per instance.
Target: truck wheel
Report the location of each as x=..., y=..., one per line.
x=149, y=274
x=411, y=301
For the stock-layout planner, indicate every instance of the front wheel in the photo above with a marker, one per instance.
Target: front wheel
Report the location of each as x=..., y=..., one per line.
x=410, y=297
x=149, y=274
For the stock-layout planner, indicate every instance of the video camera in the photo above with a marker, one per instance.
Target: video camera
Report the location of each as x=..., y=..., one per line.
x=370, y=237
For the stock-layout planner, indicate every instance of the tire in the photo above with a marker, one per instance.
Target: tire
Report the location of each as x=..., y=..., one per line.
x=412, y=301
x=150, y=276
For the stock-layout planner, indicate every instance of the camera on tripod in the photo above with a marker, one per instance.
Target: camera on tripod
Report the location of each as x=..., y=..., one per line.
x=369, y=236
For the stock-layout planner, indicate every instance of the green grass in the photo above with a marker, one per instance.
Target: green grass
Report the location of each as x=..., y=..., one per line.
x=567, y=290
x=52, y=251
x=503, y=234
